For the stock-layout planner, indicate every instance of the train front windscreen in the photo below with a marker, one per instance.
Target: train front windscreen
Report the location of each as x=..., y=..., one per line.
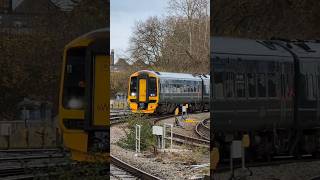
x=133, y=86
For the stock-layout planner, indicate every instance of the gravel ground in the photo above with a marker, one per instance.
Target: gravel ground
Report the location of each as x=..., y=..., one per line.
x=294, y=171
x=174, y=165
x=188, y=127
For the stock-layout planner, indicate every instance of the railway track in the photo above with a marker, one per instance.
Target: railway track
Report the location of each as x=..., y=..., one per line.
x=23, y=163
x=124, y=171
x=203, y=129
x=191, y=141
x=120, y=169
x=276, y=161
x=118, y=116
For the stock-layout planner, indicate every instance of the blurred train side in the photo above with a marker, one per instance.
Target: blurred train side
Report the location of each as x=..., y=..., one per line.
x=269, y=90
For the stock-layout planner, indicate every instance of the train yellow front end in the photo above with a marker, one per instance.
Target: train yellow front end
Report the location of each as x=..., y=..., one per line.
x=84, y=98
x=143, y=93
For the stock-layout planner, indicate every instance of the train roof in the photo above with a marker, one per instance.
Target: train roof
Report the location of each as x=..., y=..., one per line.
x=89, y=37
x=239, y=46
x=170, y=75
x=304, y=49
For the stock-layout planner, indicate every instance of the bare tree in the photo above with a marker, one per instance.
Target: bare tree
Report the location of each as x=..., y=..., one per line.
x=147, y=41
x=191, y=9
x=178, y=43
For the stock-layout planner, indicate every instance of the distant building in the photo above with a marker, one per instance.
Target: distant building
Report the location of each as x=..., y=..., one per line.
x=32, y=110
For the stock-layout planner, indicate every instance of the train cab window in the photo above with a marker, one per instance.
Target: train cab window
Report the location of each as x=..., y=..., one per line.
x=272, y=85
x=74, y=79
x=251, y=85
x=218, y=84
x=240, y=83
x=261, y=85
x=133, y=86
x=152, y=86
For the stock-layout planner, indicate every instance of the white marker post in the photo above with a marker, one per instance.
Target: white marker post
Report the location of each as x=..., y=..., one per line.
x=138, y=138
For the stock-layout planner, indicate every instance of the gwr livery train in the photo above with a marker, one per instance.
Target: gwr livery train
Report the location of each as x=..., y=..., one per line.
x=83, y=101
x=269, y=90
x=161, y=92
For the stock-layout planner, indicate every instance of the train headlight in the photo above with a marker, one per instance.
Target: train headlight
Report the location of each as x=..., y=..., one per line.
x=133, y=94
x=152, y=94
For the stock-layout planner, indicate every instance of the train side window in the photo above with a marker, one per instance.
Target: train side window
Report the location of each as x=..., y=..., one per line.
x=261, y=85
x=283, y=85
x=314, y=80
x=240, y=83
x=310, y=86
x=229, y=84
x=272, y=85
x=218, y=84
x=251, y=85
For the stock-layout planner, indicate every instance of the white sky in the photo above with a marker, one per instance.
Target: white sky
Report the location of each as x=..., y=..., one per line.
x=124, y=14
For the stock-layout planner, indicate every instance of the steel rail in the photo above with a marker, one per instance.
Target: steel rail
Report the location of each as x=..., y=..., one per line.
x=131, y=169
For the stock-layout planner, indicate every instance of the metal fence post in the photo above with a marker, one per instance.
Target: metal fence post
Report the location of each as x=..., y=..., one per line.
x=164, y=137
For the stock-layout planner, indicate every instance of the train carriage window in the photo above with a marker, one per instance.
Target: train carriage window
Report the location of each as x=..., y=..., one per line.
x=272, y=85
x=133, y=86
x=74, y=85
x=240, y=83
x=229, y=84
x=261, y=85
x=152, y=86
x=218, y=84
x=315, y=85
x=283, y=87
x=251, y=85
x=310, y=89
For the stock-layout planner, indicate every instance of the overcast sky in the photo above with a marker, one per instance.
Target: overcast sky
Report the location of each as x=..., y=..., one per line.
x=124, y=14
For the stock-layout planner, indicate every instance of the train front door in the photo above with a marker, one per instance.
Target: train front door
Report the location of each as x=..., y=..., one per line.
x=142, y=90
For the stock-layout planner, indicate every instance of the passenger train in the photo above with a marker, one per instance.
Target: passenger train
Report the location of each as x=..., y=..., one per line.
x=268, y=90
x=162, y=92
x=84, y=98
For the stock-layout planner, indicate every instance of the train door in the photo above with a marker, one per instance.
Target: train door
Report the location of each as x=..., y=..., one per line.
x=142, y=90
x=97, y=109
x=284, y=94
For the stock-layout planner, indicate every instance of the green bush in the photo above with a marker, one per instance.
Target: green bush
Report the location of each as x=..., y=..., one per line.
x=147, y=138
